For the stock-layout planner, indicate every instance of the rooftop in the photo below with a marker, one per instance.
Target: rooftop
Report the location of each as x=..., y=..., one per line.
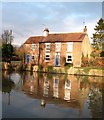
x=60, y=37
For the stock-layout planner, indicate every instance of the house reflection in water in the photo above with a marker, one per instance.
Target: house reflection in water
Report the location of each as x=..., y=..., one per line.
x=66, y=90
x=55, y=87
x=46, y=87
x=81, y=93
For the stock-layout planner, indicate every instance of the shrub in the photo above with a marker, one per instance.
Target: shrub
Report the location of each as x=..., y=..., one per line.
x=59, y=71
x=93, y=62
x=84, y=62
x=50, y=69
x=40, y=68
x=67, y=66
x=63, y=61
x=102, y=54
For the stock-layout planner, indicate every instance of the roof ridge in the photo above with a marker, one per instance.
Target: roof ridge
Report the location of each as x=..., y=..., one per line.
x=58, y=34
x=57, y=37
x=67, y=33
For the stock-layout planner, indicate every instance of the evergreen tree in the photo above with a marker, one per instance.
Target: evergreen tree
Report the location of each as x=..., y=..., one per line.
x=98, y=36
x=7, y=50
x=7, y=47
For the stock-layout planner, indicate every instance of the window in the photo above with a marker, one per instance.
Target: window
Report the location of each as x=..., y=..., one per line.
x=69, y=46
x=57, y=59
x=27, y=58
x=69, y=58
x=47, y=57
x=33, y=57
x=33, y=46
x=47, y=46
x=58, y=46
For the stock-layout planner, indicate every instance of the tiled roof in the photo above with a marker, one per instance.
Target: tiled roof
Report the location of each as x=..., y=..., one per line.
x=64, y=37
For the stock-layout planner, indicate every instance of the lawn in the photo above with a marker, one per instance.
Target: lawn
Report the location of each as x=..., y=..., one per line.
x=91, y=67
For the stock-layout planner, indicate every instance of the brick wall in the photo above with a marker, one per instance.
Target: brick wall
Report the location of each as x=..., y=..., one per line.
x=77, y=53
x=86, y=47
x=78, y=48
x=28, y=50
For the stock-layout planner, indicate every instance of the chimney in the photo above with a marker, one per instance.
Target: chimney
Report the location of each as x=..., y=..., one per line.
x=46, y=32
x=85, y=29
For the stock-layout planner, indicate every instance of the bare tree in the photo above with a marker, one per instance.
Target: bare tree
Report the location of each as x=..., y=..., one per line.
x=7, y=37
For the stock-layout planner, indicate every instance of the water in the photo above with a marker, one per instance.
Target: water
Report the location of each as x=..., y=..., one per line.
x=33, y=95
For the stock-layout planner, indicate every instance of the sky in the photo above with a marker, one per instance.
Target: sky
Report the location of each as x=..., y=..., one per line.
x=28, y=19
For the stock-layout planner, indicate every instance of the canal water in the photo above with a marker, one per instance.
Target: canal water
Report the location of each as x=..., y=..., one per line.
x=41, y=95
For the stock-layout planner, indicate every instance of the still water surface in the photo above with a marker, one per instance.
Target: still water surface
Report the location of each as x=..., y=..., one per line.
x=33, y=95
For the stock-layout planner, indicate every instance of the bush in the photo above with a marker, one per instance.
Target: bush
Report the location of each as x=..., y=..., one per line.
x=40, y=68
x=50, y=69
x=67, y=66
x=102, y=54
x=63, y=61
x=59, y=71
x=85, y=62
x=93, y=62
x=98, y=62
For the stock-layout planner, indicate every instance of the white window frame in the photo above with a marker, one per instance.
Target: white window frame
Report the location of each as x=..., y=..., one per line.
x=69, y=58
x=32, y=58
x=47, y=57
x=33, y=46
x=47, y=46
x=59, y=58
x=58, y=46
x=67, y=90
x=46, y=87
x=55, y=88
x=69, y=46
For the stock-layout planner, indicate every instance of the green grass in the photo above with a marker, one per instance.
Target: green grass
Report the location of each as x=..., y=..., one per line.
x=16, y=62
x=87, y=68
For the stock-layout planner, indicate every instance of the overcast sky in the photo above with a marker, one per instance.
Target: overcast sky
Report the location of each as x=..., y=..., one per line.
x=30, y=18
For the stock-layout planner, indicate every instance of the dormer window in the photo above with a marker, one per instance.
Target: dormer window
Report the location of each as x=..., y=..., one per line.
x=33, y=46
x=57, y=47
x=47, y=46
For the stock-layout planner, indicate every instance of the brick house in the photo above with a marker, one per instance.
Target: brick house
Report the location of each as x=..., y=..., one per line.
x=57, y=49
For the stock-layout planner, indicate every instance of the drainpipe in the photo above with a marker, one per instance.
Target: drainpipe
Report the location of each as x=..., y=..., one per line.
x=39, y=55
x=23, y=54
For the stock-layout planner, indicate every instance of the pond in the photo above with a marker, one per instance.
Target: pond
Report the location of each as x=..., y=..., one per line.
x=41, y=95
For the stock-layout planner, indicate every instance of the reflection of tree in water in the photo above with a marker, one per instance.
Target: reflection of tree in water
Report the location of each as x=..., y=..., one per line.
x=84, y=83
x=7, y=86
x=95, y=103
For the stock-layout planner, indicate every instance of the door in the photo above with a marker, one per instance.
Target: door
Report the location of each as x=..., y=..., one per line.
x=57, y=59
x=27, y=58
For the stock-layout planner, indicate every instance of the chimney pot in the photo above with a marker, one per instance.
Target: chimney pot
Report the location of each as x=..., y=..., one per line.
x=85, y=29
x=46, y=32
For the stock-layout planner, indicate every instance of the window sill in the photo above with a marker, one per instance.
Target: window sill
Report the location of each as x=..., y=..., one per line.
x=57, y=66
x=47, y=50
x=47, y=61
